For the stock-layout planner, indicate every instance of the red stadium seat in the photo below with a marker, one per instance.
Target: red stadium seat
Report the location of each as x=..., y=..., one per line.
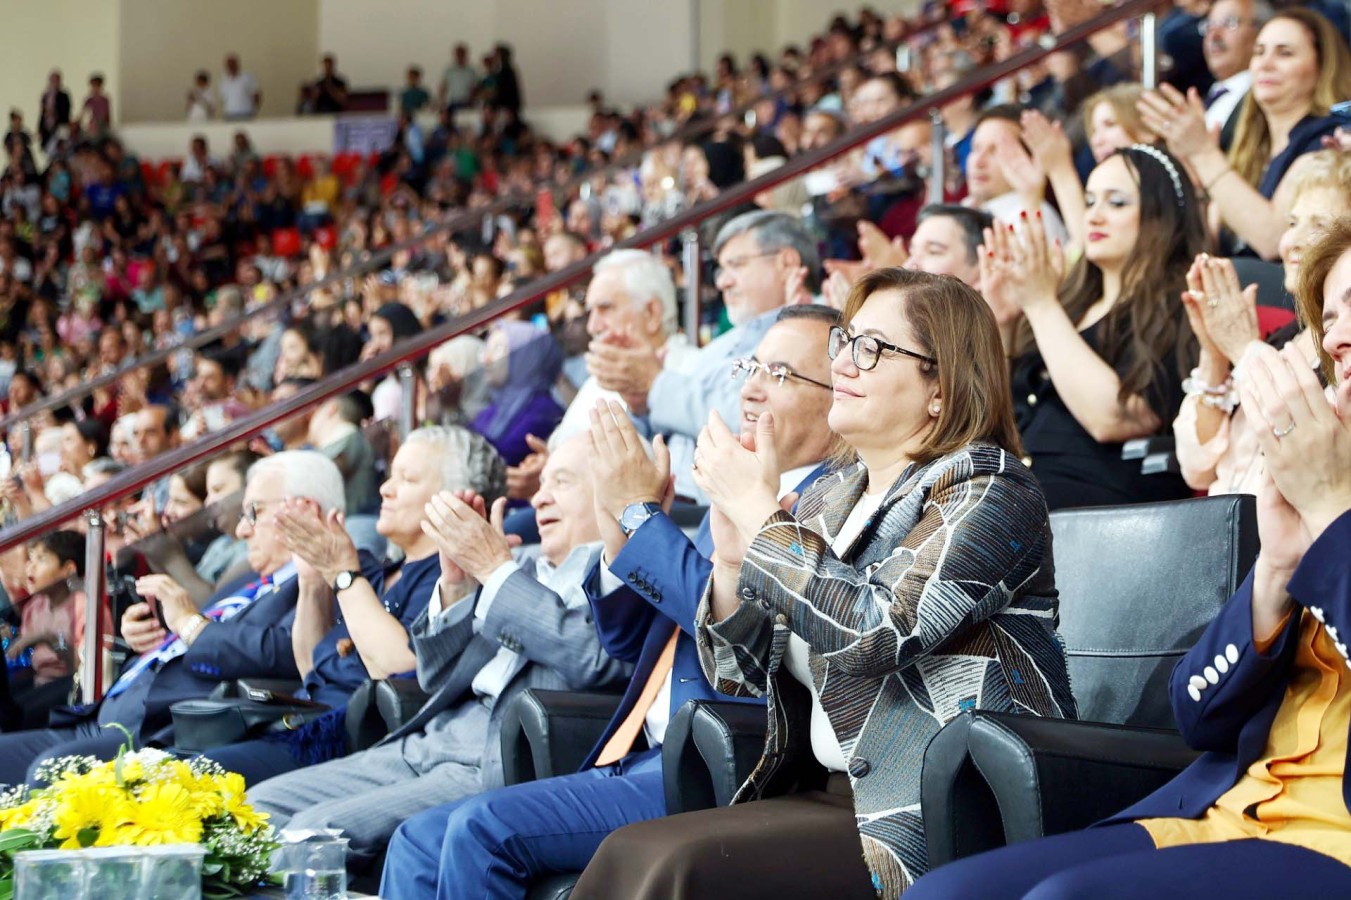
x=305, y=167
x=286, y=242
x=1272, y=318
x=325, y=236
x=148, y=174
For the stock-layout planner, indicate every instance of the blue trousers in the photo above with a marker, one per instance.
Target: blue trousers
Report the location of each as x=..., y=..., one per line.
x=22, y=752
x=257, y=760
x=1121, y=861
x=496, y=843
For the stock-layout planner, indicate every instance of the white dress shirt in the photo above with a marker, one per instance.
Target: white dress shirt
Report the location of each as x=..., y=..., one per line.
x=659, y=715
x=1235, y=88
x=564, y=580
x=825, y=744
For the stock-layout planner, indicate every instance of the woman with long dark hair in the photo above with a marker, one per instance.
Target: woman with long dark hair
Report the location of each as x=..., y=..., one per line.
x=1099, y=359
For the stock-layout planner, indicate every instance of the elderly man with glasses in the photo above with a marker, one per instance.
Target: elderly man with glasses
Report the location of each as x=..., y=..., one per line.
x=766, y=260
x=185, y=652
x=496, y=843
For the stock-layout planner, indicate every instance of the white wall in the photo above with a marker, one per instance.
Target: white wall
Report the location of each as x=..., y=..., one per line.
x=164, y=42
x=563, y=48
x=76, y=36
x=294, y=135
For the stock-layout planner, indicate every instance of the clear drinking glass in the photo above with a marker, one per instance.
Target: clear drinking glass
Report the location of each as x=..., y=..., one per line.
x=173, y=872
x=48, y=875
x=315, y=868
x=113, y=873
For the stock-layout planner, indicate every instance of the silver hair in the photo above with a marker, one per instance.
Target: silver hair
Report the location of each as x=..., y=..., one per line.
x=467, y=460
x=775, y=231
x=645, y=277
x=305, y=473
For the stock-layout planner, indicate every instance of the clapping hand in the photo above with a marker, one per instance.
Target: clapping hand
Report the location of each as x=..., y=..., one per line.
x=740, y=475
x=622, y=364
x=1020, y=269
x=622, y=471
x=1181, y=120
x=318, y=540
x=1023, y=173
x=1222, y=312
x=1305, y=440
x=1050, y=148
x=877, y=251
x=523, y=480
x=465, y=539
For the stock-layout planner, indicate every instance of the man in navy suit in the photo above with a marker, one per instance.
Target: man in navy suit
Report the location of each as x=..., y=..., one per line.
x=243, y=631
x=497, y=842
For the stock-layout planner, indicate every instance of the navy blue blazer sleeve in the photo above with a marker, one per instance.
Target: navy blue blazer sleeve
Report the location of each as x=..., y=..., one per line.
x=665, y=569
x=1224, y=681
x=256, y=643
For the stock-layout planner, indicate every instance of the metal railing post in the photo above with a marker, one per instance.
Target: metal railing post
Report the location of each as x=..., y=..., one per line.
x=90, y=662
x=694, y=278
x=938, y=165
x=407, y=400
x=1149, y=51
x=26, y=453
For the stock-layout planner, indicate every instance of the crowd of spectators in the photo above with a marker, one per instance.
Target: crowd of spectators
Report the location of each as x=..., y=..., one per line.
x=1121, y=261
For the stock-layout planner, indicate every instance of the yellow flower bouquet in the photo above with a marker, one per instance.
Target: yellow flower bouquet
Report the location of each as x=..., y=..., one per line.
x=144, y=798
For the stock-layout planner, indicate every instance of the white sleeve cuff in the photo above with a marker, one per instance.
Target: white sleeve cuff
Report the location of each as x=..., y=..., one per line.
x=439, y=617
x=489, y=591
x=609, y=581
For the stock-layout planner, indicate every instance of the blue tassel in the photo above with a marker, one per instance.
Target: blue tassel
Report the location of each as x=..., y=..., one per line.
x=318, y=740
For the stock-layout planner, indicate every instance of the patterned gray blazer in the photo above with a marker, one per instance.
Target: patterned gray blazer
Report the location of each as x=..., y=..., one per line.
x=945, y=602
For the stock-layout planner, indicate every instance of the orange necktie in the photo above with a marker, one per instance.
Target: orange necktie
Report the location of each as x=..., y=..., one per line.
x=621, y=742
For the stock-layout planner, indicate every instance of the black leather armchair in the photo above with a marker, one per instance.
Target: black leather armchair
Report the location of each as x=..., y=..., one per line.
x=378, y=708
x=1138, y=584
x=708, y=751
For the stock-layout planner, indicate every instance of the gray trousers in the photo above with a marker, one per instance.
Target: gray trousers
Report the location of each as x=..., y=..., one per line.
x=367, y=795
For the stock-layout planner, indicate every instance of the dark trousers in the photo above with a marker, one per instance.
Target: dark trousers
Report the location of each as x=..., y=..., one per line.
x=257, y=760
x=803, y=845
x=1121, y=861
x=22, y=752
x=495, y=844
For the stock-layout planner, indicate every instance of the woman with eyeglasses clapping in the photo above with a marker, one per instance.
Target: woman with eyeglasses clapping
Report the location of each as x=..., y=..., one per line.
x=912, y=584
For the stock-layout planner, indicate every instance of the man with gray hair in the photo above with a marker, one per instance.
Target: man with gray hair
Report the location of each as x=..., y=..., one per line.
x=1229, y=34
x=244, y=631
x=494, y=626
x=630, y=303
x=766, y=260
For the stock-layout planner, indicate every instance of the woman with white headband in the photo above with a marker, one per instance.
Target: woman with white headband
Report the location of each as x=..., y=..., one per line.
x=1099, y=358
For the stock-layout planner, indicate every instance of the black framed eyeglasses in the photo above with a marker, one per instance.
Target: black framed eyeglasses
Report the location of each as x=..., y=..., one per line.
x=250, y=511
x=1227, y=23
x=867, y=350
x=747, y=366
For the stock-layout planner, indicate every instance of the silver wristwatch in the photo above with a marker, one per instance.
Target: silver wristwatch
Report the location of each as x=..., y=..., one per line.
x=636, y=514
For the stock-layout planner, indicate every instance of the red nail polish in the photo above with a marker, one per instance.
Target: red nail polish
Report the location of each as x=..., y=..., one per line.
x=1023, y=214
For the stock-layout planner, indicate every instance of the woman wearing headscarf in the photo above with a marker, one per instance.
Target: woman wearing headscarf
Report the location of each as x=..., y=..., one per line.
x=521, y=364
x=391, y=323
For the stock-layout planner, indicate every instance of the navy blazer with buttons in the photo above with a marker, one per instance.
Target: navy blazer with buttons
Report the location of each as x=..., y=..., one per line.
x=667, y=573
x=1226, y=694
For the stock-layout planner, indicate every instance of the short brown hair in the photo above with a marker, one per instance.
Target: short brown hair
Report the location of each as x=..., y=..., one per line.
x=955, y=326
x=1314, y=268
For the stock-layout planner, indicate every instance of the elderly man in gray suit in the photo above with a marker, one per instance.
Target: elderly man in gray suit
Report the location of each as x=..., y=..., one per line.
x=494, y=627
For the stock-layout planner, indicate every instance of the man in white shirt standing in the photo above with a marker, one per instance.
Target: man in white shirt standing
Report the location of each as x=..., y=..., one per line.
x=240, y=95
x=1230, y=33
x=458, y=83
